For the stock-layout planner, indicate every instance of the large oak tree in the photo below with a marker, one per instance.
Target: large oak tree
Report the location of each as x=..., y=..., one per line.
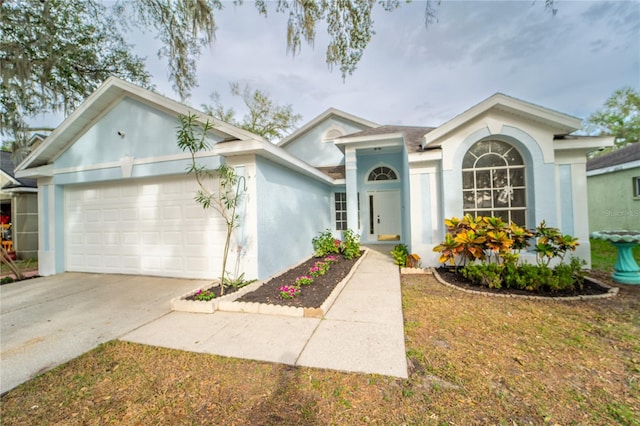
x=55, y=53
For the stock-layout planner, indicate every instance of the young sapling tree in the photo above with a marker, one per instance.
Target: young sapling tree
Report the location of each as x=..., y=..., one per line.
x=225, y=198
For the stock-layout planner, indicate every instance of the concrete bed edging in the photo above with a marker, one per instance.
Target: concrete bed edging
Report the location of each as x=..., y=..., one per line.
x=612, y=292
x=228, y=303
x=181, y=303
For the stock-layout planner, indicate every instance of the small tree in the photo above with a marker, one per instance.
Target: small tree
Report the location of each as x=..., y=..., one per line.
x=264, y=117
x=224, y=200
x=619, y=117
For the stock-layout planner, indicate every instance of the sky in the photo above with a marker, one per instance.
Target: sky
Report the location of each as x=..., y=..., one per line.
x=412, y=74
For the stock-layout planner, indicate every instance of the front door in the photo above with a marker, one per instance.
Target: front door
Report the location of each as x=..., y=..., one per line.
x=384, y=216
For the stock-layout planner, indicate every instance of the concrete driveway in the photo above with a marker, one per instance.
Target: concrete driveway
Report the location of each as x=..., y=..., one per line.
x=47, y=321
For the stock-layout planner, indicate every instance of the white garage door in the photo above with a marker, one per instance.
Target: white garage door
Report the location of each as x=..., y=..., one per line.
x=148, y=227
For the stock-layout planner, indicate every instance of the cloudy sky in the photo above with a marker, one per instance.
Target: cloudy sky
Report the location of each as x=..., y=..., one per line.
x=414, y=75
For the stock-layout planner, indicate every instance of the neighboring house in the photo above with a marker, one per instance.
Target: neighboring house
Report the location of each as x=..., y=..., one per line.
x=114, y=196
x=18, y=207
x=613, y=183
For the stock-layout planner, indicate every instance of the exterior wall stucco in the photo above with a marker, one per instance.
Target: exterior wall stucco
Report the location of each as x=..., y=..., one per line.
x=555, y=182
x=311, y=148
x=149, y=147
x=148, y=132
x=612, y=205
x=426, y=210
x=541, y=205
x=291, y=210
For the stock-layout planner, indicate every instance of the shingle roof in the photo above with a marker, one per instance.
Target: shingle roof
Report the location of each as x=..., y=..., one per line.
x=335, y=172
x=620, y=156
x=412, y=134
x=7, y=167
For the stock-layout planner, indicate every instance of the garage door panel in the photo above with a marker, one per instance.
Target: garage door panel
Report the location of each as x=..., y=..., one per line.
x=142, y=227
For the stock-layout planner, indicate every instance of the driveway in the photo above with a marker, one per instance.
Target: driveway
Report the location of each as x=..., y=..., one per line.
x=47, y=321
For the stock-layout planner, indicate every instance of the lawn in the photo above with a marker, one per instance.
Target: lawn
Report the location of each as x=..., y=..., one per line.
x=475, y=360
x=23, y=265
x=603, y=255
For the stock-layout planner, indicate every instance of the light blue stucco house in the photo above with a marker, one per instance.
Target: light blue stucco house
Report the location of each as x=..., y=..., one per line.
x=114, y=197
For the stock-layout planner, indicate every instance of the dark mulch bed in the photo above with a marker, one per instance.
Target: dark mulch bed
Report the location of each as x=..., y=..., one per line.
x=589, y=287
x=216, y=290
x=311, y=296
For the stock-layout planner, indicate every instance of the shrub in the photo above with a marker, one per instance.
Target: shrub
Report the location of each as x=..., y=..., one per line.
x=486, y=274
x=564, y=277
x=400, y=253
x=551, y=243
x=324, y=244
x=481, y=238
x=350, y=247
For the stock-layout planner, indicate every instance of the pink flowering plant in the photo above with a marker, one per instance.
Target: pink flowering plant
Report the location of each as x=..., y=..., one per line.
x=304, y=280
x=204, y=295
x=319, y=269
x=289, y=291
x=330, y=259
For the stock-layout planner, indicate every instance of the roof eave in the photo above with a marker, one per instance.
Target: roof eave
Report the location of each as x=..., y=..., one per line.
x=425, y=156
x=320, y=118
x=271, y=152
x=563, y=123
x=586, y=144
x=110, y=92
x=45, y=170
x=371, y=141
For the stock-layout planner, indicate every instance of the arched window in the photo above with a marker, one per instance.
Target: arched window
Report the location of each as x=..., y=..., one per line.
x=493, y=182
x=382, y=173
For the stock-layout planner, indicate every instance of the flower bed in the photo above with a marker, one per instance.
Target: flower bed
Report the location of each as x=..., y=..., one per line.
x=313, y=300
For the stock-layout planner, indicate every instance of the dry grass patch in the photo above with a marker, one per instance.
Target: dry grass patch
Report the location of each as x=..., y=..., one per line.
x=520, y=361
x=475, y=360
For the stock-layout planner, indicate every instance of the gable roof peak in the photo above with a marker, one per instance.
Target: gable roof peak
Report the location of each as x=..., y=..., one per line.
x=561, y=123
x=111, y=91
x=322, y=117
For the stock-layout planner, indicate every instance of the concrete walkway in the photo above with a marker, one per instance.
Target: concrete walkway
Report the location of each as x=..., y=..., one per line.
x=362, y=332
x=48, y=321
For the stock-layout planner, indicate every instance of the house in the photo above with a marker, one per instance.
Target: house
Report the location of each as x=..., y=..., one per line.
x=114, y=196
x=613, y=183
x=18, y=209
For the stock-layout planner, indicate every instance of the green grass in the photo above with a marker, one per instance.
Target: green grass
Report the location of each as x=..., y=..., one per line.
x=23, y=265
x=604, y=254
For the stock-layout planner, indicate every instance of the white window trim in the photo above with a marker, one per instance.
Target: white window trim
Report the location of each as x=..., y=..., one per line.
x=507, y=167
x=396, y=180
x=335, y=211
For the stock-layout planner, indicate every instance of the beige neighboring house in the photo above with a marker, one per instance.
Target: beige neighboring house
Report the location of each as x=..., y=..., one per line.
x=19, y=207
x=613, y=185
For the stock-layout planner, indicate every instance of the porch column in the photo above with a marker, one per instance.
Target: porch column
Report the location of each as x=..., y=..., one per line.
x=50, y=227
x=351, y=171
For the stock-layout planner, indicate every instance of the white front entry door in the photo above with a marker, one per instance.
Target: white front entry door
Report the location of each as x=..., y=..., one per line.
x=384, y=216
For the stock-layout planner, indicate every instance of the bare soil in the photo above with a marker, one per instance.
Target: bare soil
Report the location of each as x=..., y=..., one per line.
x=311, y=296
